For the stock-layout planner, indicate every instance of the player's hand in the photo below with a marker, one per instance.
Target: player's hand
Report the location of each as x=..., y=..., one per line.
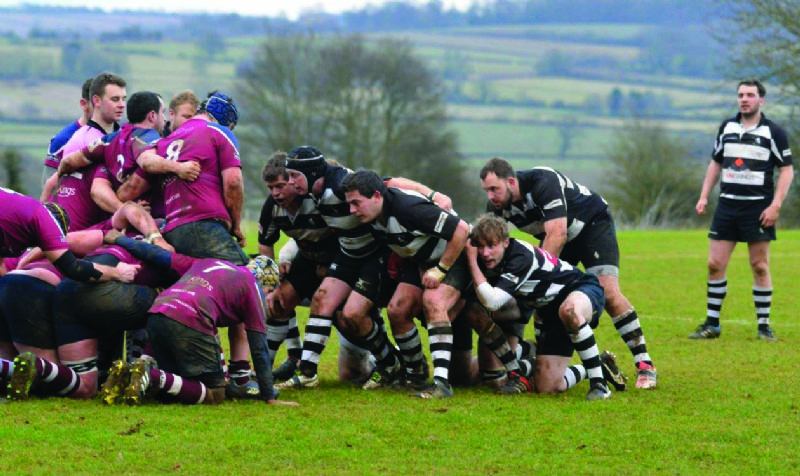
x=274, y=305
x=284, y=268
x=443, y=201
x=700, y=208
x=189, y=171
x=471, y=251
x=127, y=271
x=237, y=233
x=433, y=278
x=769, y=216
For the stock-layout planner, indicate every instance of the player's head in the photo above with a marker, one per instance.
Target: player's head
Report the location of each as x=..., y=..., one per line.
x=59, y=214
x=490, y=236
x=222, y=108
x=182, y=107
x=265, y=270
x=284, y=185
x=497, y=180
x=109, y=94
x=364, y=191
x=309, y=161
x=87, y=107
x=141, y=104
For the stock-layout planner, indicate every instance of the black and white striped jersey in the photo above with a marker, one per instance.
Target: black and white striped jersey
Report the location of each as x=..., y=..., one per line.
x=749, y=157
x=413, y=226
x=548, y=194
x=531, y=274
x=355, y=238
x=315, y=239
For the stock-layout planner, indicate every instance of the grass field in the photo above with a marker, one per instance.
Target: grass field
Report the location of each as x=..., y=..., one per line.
x=721, y=407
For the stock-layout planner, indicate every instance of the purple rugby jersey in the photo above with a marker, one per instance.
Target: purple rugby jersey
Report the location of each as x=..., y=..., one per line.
x=215, y=148
x=74, y=190
x=212, y=293
x=24, y=223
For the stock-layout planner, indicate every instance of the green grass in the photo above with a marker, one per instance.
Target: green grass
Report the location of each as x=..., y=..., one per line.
x=722, y=407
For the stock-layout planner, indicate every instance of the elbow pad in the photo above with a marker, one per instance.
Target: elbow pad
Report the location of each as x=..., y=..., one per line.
x=76, y=269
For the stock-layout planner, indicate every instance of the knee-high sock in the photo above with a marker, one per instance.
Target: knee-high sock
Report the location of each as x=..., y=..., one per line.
x=318, y=330
x=57, y=378
x=762, y=297
x=440, y=338
x=628, y=327
x=294, y=346
x=715, y=295
x=377, y=342
x=410, y=345
x=495, y=340
x=176, y=388
x=574, y=374
x=586, y=346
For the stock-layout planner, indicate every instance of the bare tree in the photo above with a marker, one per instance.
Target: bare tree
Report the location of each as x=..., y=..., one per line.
x=367, y=104
x=655, y=178
x=762, y=39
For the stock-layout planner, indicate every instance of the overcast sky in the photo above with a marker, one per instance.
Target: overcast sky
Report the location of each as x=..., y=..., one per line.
x=291, y=8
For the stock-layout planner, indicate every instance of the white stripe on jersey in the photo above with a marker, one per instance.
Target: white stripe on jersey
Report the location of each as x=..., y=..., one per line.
x=746, y=151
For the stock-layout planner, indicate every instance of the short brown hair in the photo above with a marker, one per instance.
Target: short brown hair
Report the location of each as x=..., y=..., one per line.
x=102, y=80
x=762, y=91
x=275, y=167
x=184, y=97
x=500, y=167
x=489, y=229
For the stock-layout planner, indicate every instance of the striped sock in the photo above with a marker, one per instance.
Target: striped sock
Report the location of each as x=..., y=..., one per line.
x=628, y=327
x=586, y=346
x=574, y=374
x=6, y=368
x=377, y=342
x=440, y=338
x=175, y=388
x=318, y=330
x=410, y=345
x=277, y=332
x=57, y=378
x=716, y=291
x=294, y=346
x=494, y=339
x=762, y=297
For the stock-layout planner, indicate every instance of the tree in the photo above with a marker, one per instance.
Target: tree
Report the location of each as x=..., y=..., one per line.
x=368, y=105
x=655, y=180
x=567, y=131
x=12, y=161
x=767, y=47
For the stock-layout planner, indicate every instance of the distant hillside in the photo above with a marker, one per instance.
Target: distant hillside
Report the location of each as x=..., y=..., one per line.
x=536, y=82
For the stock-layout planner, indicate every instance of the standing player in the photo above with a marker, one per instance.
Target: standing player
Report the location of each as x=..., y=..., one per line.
x=204, y=216
x=118, y=152
x=60, y=139
x=182, y=107
x=575, y=225
x=74, y=190
x=747, y=150
x=414, y=227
